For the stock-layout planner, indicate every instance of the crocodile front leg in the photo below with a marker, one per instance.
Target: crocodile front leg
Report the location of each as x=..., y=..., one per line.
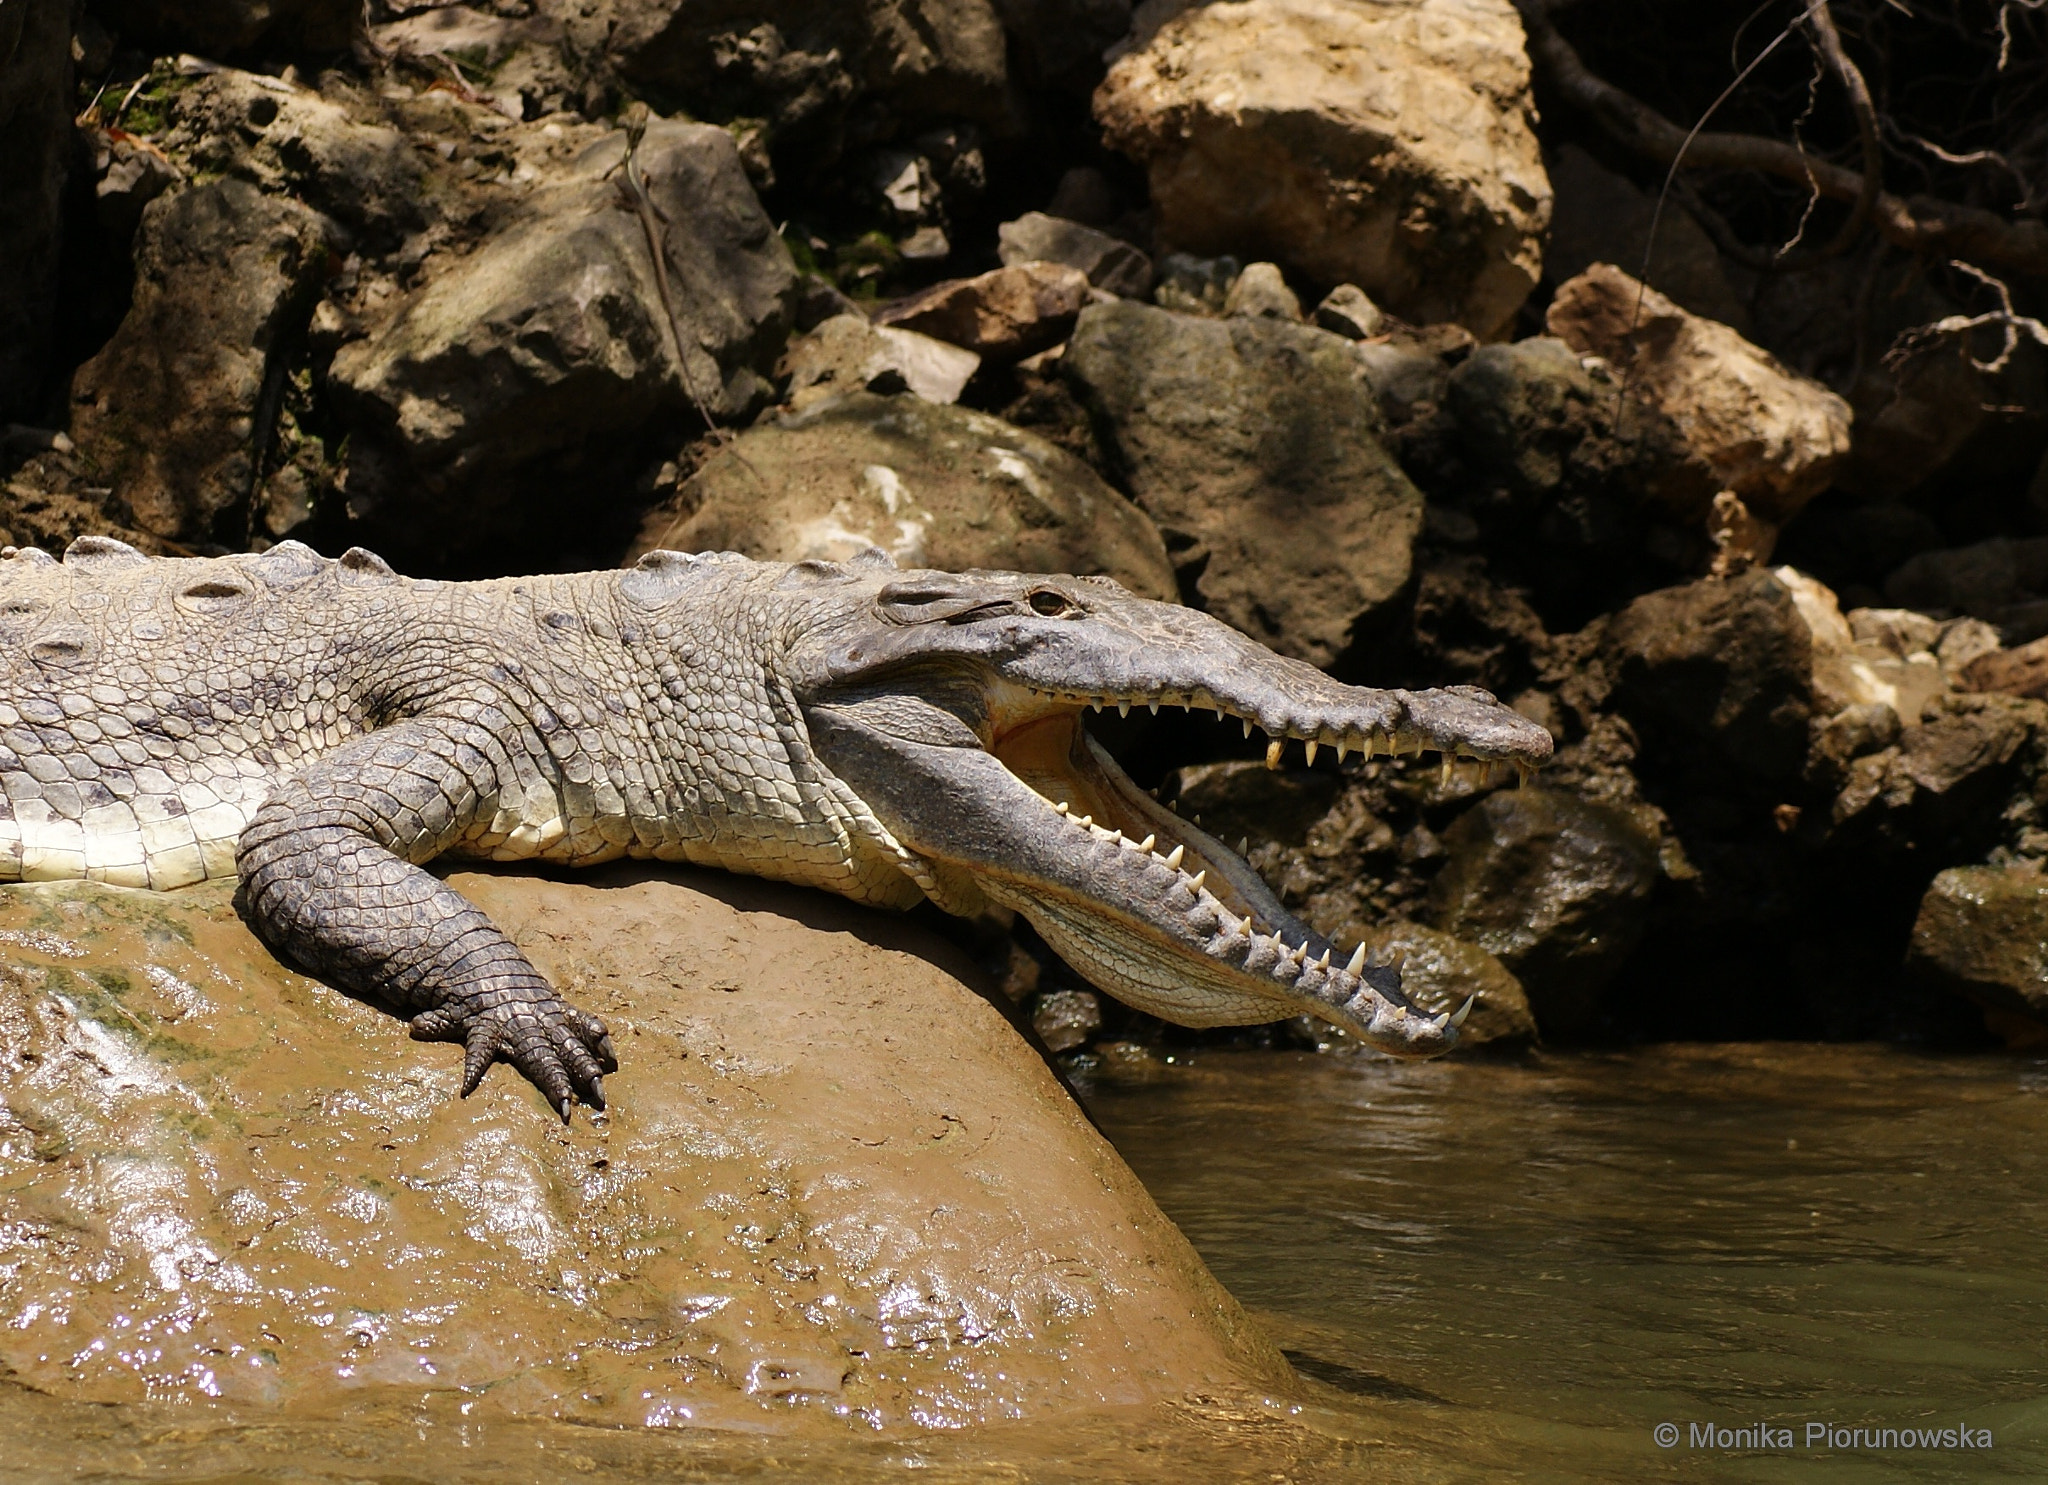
x=330, y=872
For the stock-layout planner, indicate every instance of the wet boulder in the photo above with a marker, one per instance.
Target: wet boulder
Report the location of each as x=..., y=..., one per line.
x=35, y=119
x=830, y=1170
x=1757, y=430
x=933, y=486
x=554, y=351
x=1256, y=446
x=176, y=412
x=1002, y=315
x=1389, y=146
x=1557, y=888
x=1982, y=931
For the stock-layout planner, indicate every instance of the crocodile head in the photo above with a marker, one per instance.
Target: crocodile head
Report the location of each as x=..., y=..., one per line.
x=952, y=707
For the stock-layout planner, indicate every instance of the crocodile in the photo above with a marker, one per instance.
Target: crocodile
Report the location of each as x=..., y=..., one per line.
x=323, y=728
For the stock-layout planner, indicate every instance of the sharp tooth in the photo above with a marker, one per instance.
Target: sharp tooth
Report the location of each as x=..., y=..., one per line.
x=1096, y=705
x=1522, y=772
x=1060, y=808
x=1244, y=845
x=1173, y=857
x=1300, y=955
x=1195, y=881
x=1247, y=726
x=1457, y=1017
x=1441, y=1020
x=1311, y=752
x=1084, y=819
x=1357, y=965
x=1123, y=708
x=1273, y=754
x=1444, y=772
x=1155, y=707
x=1342, y=749
x=1324, y=962
x=1174, y=805
x=1145, y=845
x=1219, y=712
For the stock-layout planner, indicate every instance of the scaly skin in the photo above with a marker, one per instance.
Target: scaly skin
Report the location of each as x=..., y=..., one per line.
x=325, y=728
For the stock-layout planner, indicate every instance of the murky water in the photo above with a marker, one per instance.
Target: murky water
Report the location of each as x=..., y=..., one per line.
x=1535, y=1264
x=1487, y=1270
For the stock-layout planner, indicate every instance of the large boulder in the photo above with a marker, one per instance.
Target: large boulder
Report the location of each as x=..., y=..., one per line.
x=1983, y=931
x=1555, y=887
x=1756, y=429
x=552, y=350
x=834, y=1183
x=176, y=413
x=1255, y=445
x=35, y=119
x=1389, y=145
x=933, y=486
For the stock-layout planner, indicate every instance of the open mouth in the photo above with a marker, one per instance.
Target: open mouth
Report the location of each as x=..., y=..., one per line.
x=1145, y=904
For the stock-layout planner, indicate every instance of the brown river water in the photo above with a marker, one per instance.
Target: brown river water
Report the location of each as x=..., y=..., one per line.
x=1489, y=1269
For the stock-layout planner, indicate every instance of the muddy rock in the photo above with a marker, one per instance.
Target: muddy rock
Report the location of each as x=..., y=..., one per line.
x=1110, y=263
x=1724, y=667
x=1764, y=433
x=1555, y=887
x=1957, y=782
x=932, y=486
x=1002, y=315
x=818, y=77
x=1390, y=146
x=828, y=1181
x=176, y=412
x=1440, y=972
x=550, y=352
x=223, y=28
x=1255, y=445
x=1983, y=931
x=1602, y=217
x=848, y=353
x=35, y=119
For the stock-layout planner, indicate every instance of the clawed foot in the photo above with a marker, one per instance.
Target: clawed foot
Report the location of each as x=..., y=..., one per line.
x=561, y=1050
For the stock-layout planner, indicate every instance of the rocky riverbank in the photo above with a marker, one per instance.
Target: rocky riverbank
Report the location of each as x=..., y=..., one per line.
x=1327, y=317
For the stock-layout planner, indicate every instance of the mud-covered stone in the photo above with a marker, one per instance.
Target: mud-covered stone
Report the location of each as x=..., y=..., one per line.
x=1256, y=447
x=1388, y=146
x=35, y=121
x=176, y=412
x=1555, y=887
x=829, y=1177
x=1983, y=931
x=933, y=486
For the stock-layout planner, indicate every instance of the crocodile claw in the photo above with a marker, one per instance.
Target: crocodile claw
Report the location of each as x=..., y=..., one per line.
x=563, y=1051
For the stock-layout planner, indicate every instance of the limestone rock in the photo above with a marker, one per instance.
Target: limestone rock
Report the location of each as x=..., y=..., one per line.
x=1601, y=217
x=1439, y=972
x=1983, y=931
x=933, y=486
x=35, y=119
x=1765, y=433
x=1004, y=315
x=848, y=354
x=222, y=28
x=1110, y=263
x=552, y=347
x=1255, y=446
x=1555, y=887
x=176, y=412
x=831, y=1172
x=1385, y=145
x=807, y=69
x=1348, y=310
x=1261, y=291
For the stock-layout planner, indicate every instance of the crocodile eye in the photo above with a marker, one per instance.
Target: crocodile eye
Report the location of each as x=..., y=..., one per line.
x=1050, y=603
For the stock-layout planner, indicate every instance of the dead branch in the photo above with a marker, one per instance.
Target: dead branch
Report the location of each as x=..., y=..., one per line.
x=1920, y=224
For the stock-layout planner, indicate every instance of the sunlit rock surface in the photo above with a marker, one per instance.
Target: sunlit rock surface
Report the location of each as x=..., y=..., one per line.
x=833, y=1181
